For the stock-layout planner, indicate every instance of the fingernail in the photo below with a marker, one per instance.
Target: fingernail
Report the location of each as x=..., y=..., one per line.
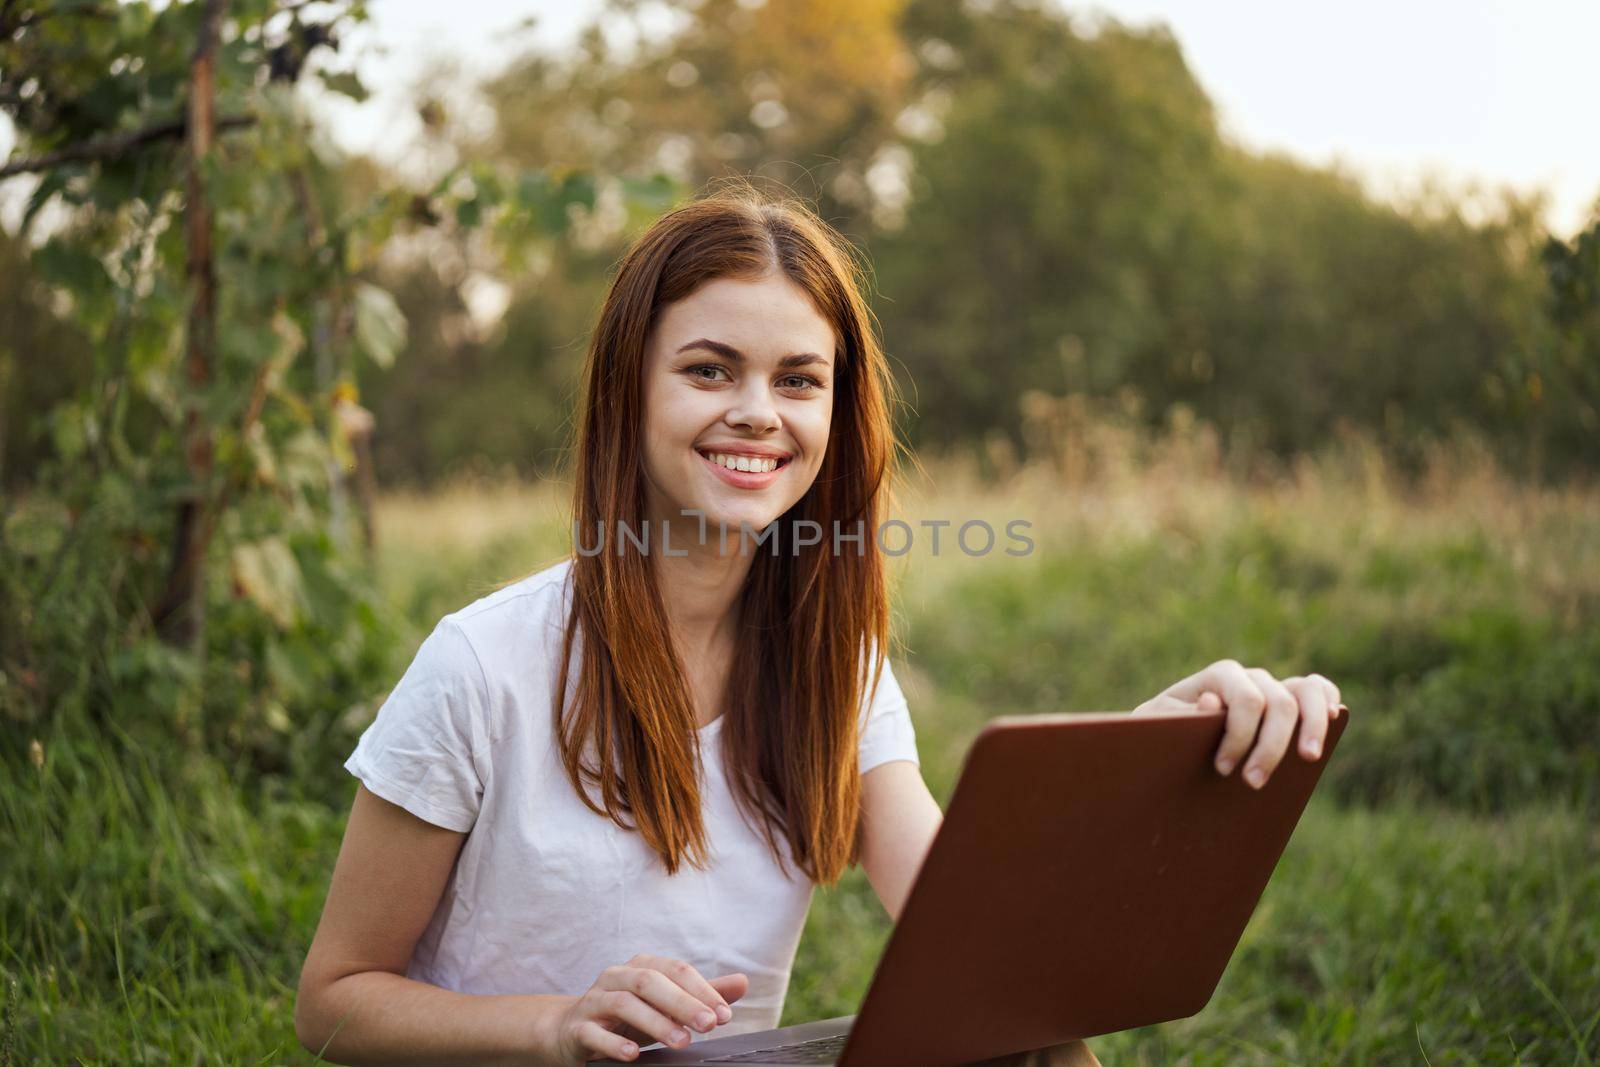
x=724, y=1013
x=1255, y=776
x=705, y=1020
x=1314, y=748
x=1224, y=765
x=679, y=1034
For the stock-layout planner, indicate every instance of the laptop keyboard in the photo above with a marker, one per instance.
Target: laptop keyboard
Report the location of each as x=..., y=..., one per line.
x=822, y=1050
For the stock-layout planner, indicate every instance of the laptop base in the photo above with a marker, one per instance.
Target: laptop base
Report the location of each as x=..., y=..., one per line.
x=710, y=1052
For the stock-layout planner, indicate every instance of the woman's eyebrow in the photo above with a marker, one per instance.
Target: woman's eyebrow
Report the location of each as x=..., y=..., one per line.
x=799, y=359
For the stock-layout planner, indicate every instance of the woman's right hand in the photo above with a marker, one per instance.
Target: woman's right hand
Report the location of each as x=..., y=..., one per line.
x=647, y=999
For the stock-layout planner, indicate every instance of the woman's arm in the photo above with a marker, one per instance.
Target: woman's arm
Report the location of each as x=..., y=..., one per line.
x=899, y=819
x=354, y=997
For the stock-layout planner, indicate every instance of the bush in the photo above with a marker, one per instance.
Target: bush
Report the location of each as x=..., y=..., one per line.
x=1461, y=691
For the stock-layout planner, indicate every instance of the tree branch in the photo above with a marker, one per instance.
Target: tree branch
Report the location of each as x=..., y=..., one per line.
x=182, y=614
x=118, y=145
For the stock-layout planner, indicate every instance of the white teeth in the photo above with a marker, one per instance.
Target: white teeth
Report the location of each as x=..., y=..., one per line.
x=752, y=464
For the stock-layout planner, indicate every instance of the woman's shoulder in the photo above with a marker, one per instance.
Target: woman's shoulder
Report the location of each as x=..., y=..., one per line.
x=528, y=610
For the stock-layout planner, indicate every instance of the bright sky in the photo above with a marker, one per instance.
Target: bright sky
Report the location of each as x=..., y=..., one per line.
x=1500, y=91
x=1486, y=91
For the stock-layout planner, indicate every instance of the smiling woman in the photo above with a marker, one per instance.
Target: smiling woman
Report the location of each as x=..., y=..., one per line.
x=593, y=811
x=734, y=380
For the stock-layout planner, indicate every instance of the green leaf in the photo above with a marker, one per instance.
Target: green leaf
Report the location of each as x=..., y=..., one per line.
x=73, y=429
x=72, y=267
x=655, y=192
x=348, y=83
x=264, y=462
x=380, y=325
x=266, y=572
x=291, y=341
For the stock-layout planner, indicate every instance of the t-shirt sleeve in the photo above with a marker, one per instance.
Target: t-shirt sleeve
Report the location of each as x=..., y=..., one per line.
x=886, y=731
x=426, y=748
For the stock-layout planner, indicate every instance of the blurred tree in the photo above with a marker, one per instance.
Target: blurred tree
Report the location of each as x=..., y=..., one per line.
x=199, y=252
x=500, y=301
x=1062, y=225
x=42, y=361
x=802, y=93
x=1077, y=223
x=1332, y=308
x=209, y=269
x=1569, y=430
x=1050, y=208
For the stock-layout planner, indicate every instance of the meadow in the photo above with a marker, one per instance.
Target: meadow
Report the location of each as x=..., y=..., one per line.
x=1439, y=903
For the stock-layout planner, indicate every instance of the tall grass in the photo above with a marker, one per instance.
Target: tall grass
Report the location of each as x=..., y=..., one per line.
x=1439, y=903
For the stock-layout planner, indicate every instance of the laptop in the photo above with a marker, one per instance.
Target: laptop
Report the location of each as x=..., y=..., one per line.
x=1093, y=873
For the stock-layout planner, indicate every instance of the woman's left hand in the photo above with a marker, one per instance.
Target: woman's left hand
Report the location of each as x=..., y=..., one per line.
x=1262, y=713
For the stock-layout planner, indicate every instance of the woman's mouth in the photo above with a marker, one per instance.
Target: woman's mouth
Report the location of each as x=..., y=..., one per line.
x=744, y=471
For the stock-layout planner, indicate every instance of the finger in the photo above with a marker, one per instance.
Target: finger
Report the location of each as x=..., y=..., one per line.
x=1189, y=689
x=632, y=1033
x=731, y=986
x=1277, y=727
x=626, y=1006
x=1335, y=702
x=1164, y=704
x=1314, y=713
x=597, y=1041
x=618, y=986
x=691, y=981
x=655, y=987
x=1209, y=702
x=1245, y=703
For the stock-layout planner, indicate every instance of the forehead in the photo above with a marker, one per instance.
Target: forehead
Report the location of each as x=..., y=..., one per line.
x=754, y=315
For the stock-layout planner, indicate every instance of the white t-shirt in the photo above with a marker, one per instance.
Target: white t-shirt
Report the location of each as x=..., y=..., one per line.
x=545, y=893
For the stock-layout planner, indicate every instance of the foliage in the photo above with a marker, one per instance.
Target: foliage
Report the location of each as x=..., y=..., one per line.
x=802, y=94
x=85, y=549
x=155, y=906
x=237, y=414
x=473, y=391
x=1113, y=239
x=1461, y=698
x=29, y=330
x=1051, y=209
x=1571, y=422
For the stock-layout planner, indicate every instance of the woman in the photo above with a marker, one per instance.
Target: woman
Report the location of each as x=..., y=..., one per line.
x=593, y=810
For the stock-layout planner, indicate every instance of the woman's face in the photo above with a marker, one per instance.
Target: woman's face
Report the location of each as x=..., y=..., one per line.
x=738, y=396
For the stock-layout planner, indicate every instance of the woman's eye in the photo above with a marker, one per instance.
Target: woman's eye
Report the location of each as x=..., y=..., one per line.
x=705, y=371
x=801, y=381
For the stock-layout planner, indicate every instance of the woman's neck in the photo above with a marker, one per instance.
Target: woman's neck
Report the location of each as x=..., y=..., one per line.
x=700, y=592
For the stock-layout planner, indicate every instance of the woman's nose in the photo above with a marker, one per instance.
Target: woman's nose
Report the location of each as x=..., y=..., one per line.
x=753, y=409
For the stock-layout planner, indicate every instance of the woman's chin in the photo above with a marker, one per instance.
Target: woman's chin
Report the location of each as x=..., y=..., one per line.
x=734, y=520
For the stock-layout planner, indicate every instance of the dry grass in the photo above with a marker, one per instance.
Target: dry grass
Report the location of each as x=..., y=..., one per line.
x=1109, y=481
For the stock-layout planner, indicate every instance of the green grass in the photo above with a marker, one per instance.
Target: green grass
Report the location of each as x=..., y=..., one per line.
x=155, y=911
x=1439, y=903
x=1478, y=937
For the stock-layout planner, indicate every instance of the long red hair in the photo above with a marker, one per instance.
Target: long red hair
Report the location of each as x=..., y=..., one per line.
x=814, y=624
